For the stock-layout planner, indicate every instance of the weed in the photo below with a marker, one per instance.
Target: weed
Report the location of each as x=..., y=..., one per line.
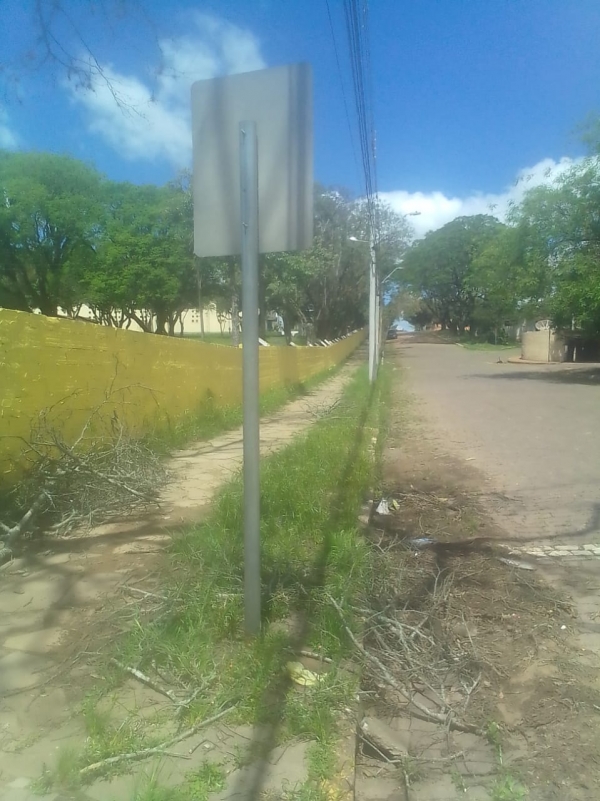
x=309, y=791
x=321, y=760
x=310, y=496
x=493, y=733
x=198, y=786
x=508, y=788
x=208, y=779
x=458, y=780
x=43, y=784
x=66, y=772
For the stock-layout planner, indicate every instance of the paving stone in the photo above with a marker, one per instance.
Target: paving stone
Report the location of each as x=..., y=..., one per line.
x=19, y=670
x=36, y=642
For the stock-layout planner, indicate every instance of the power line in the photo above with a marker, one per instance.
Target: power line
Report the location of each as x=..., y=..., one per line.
x=341, y=77
x=357, y=27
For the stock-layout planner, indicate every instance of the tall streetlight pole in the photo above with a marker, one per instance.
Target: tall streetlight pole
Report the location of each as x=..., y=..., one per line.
x=373, y=297
x=375, y=335
x=382, y=282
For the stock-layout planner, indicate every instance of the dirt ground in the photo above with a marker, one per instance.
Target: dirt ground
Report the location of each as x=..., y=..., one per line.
x=508, y=650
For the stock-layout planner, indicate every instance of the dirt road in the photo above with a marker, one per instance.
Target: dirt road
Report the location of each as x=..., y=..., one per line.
x=532, y=431
x=483, y=456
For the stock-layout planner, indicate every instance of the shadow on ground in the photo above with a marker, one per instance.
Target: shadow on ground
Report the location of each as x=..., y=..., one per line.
x=266, y=729
x=589, y=376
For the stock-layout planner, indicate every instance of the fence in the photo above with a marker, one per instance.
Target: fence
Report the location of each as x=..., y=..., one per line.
x=66, y=369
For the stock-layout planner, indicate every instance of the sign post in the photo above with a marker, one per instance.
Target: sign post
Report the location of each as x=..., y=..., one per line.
x=249, y=240
x=253, y=149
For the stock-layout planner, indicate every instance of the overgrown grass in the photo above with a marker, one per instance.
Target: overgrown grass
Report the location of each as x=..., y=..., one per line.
x=199, y=784
x=212, y=418
x=311, y=548
x=311, y=492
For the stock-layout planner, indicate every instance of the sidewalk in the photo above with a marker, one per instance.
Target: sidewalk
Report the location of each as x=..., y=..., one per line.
x=53, y=599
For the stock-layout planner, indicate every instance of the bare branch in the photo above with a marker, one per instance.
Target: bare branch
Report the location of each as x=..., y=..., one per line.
x=137, y=756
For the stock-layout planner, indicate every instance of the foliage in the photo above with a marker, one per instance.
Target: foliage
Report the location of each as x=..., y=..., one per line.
x=69, y=237
x=408, y=306
x=477, y=273
x=50, y=221
x=325, y=290
x=439, y=269
x=559, y=224
x=145, y=258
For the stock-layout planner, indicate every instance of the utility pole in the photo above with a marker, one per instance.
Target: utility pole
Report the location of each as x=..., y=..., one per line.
x=373, y=334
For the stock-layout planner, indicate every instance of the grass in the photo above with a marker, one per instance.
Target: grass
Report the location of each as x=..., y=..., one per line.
x=212, y=418
x=311, y=494
x=199, y=784
x=225, y=339
x=508, y=788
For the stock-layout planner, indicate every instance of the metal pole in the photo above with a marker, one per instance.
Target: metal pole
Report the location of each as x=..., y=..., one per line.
x=249, y=232
x=379, y=329
x=372, y=310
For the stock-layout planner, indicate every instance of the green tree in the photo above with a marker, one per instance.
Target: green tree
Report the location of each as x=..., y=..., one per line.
x=439, y=268
x=559, y=224
x=146, y=269
x=407, y=306
x=51, y=216
x=498, y=282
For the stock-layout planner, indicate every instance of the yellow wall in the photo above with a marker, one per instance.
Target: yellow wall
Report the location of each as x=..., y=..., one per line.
x=66, y=369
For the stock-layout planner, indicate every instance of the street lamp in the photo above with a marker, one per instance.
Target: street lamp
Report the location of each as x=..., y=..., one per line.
x=373, y=295
x=389, y=275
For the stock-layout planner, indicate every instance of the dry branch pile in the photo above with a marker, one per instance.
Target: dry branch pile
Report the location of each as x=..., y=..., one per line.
x=82, y=482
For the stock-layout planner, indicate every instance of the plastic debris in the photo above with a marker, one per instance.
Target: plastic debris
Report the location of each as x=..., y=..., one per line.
x=421, y=542
x=383, y=507
x=301, y=675
x=394, y=504
x=516, y=563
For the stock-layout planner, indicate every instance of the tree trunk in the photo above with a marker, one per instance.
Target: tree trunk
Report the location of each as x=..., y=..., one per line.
x=161, y=321
x=262, y=307
x=287, y=331
x=48, y=308
x=235, y=321
x=200, y=303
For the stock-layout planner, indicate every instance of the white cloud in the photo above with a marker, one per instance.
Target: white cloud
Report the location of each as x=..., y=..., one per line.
x=436, y=209
x=8, y=138
x=148, y=119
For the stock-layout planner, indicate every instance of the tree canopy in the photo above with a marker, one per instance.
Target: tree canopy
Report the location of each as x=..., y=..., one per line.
x=440, y=269
x=544, y=262
x=69, y=237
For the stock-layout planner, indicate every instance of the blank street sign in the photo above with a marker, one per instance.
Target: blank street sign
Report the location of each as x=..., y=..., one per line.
x=279, y=101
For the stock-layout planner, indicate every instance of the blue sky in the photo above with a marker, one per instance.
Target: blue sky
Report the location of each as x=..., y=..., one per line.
x=470, y=95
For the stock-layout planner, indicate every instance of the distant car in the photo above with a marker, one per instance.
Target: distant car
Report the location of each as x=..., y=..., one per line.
x=392, y=333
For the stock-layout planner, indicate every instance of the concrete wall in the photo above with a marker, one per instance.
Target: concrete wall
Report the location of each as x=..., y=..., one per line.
x=542, y=346
x=65, y=369
x=191, y=318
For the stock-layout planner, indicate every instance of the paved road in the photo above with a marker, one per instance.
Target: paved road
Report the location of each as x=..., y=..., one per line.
x=533, y=431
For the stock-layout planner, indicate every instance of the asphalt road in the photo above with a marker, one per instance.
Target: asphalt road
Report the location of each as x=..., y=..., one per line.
x=533, y=432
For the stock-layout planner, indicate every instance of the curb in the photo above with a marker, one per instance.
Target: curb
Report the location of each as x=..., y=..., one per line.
x=519, y=360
